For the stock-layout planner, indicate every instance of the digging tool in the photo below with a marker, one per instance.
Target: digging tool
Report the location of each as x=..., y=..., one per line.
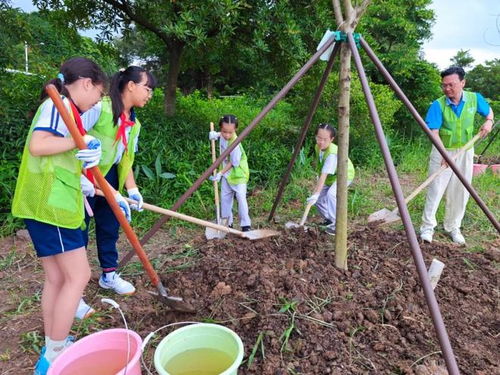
x=210, y=233
x=256, y=234
x=175, y=303
x=492, y=138
x=292, y=224
x=385, y=216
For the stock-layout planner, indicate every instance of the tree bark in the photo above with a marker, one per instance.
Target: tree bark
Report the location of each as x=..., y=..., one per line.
x=174, y=66
x=342, y=156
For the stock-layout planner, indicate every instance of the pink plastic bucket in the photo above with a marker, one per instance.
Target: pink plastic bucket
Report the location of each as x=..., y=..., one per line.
x=496, y=169
x=478, y=169
x=101, y=353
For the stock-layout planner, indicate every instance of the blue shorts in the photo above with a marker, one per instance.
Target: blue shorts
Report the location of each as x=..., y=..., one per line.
x=52, y=240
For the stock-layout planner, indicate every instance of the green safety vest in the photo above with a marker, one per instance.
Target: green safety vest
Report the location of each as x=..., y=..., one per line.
x=332, y=149
x=48, y=187
x=241, y=173
x=105, y=130
x=457, y=131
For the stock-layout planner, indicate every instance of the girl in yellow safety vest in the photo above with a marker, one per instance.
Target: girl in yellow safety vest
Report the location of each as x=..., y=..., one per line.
x=49, y=199
x=117, y=128
x=325, y=193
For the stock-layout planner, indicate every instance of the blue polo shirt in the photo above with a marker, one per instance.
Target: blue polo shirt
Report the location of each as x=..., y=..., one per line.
x=434, y=118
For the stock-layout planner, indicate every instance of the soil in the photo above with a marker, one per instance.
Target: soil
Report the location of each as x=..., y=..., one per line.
x=371, y=319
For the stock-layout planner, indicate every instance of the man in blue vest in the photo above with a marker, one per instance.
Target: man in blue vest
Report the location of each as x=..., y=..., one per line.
x=451, y=120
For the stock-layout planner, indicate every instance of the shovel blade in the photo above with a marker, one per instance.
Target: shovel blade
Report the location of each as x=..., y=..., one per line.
x=383, y=216
x=291, y=225
x=259, y=234
x=175, y=303
x=211, y=234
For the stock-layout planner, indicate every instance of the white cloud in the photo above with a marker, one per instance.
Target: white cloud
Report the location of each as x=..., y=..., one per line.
x=467, y=25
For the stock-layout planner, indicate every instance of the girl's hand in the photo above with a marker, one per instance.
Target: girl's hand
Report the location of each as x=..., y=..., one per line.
x=123, y=206
x=136, y=196
x=213, y=135
x=91, y=155
x=87, y=187
x=313, y=199
x=216, y=178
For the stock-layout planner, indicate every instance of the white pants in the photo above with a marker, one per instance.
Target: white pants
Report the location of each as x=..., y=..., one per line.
x=456, y=194
x=327, y=202
x=227, y=194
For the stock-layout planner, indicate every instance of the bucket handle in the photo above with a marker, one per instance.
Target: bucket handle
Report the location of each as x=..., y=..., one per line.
x=117, y=306
x=150, y=336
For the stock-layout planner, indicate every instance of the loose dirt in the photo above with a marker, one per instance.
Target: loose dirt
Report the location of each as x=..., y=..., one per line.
x=312, y=317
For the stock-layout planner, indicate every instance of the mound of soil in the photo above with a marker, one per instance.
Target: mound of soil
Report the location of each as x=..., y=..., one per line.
x=308, y=316
x=371, y=319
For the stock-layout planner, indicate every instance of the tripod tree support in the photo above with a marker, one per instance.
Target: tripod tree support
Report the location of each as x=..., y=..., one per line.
x=437, y=319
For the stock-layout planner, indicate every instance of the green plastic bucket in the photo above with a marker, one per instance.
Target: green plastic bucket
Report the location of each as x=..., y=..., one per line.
x=201, y=348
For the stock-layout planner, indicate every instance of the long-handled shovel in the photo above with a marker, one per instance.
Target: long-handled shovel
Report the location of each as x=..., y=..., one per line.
x=256, y=234
x=385, y=216
x=176, y=303
x=292, y=224
x=209, y=232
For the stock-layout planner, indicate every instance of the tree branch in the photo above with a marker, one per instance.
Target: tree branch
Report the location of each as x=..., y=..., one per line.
x=348, y=10
x=338, y=13
x=126, y=9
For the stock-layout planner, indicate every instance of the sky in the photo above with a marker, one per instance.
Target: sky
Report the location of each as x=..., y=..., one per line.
x=472, y=25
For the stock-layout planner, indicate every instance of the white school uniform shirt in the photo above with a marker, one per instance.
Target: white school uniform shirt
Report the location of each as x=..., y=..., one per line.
x=330, y=166
x=234, y=156
x=51, y=121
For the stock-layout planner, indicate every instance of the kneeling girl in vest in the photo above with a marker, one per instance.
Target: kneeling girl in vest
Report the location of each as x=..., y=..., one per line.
x=234, y=174
x=118, y=129
x=49, y=199
x=325, y=193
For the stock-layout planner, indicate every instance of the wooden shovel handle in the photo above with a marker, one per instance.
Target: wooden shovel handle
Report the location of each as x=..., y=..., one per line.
x=216, y=186
x=184, y=217
x=440, y=170
x=306, y=212
x=103, y=184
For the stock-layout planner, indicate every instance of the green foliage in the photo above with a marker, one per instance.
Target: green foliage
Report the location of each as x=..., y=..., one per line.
x=463, y=58
x=486, y=80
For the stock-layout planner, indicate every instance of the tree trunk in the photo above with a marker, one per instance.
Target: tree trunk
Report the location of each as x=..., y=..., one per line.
x=342, y=156
x=174, y=66
x=210, y=86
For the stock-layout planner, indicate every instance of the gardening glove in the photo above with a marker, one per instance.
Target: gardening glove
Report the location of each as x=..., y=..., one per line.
x=123, y=206
x=216, y=178
x=92, y=154
x=136, y=196
x=213, y=135
x=313, y=198
x=87, y=187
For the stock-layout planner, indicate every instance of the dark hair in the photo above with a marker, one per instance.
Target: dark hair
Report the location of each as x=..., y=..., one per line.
x=454, y=70
x=72, y=70
x=229, y=119
x=331, y=129
x=118, y=83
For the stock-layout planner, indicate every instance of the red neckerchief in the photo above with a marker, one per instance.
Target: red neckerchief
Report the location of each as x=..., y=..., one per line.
x=81, y=129
x=121, y=133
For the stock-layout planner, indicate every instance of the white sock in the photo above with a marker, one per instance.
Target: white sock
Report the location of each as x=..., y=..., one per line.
x=54, y=348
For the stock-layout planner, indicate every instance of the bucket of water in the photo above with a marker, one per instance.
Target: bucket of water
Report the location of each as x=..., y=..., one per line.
x=201, y=349
x=101, y=353
x=477, y=169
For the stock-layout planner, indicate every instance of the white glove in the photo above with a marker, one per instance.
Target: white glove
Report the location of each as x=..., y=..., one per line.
x=123, y=206
x=91, y=155
x=87, y=187
x=216, y=178
x=313, y=198
x=136, y=196
x=213, y=135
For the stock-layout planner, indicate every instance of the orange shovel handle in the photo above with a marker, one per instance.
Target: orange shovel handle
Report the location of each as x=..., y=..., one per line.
x=104, y=186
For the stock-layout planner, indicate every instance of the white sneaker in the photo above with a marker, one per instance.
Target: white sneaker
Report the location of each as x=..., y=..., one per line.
x=426, y=236
x=83, y=311
x=112, y=280
x=457, y=237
